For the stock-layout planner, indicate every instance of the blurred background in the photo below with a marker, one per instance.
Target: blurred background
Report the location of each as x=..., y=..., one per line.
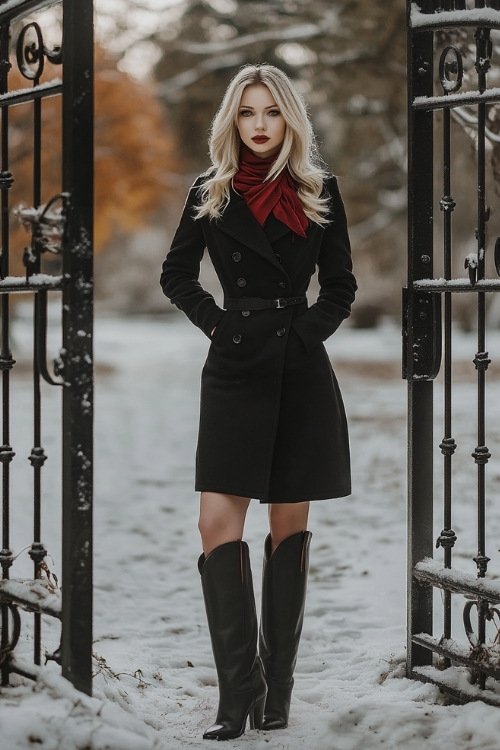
x=161, y=69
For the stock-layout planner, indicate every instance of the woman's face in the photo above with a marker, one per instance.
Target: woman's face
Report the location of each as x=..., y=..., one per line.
x=260, y=123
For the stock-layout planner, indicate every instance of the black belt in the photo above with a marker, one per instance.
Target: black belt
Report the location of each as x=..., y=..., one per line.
x=255, y=303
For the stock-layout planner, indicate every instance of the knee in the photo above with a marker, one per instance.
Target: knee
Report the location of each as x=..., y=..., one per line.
x=221, y=520
x=287, y=519
x=210, y=525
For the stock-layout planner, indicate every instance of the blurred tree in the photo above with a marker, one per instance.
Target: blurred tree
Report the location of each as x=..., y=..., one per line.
x=135, y=156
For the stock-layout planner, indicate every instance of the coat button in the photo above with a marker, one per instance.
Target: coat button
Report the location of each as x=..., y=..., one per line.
x=280, y=332
x=241, y=282
x=245, y=313
x=236, y=257
x=237, y=338
x=282, y=285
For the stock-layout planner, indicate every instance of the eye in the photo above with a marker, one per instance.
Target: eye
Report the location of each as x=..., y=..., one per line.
x=274, y=112
x=246, y=112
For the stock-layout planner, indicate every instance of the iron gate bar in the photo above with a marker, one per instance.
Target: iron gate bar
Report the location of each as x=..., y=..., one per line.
x=448, y=684
x=456, y=581
x=43, y=601
x=29, y=95
x=423, y=574
x=420, y=389
x=450, y=651
x=448, y=446
x=38, y=457
x=19, y=9
x=456, y=285
x=77, y=361
x=437, y=19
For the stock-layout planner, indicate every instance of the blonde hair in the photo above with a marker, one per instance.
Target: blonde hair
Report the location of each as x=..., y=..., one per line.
x=298, y=152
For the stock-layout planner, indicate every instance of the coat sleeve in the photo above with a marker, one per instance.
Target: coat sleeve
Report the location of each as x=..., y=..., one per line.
x=181, y=269
x=336, y=280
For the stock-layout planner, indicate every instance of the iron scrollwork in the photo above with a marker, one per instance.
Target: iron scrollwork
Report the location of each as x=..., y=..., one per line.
x=485, y=612
x=14, y=633
x=450, y=64
x=46, y=225
x=31, y=55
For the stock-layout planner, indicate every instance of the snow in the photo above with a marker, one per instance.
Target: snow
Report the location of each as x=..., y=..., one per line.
x=454, y=579
x=37, y=279
x=463, y=97
x=486, y=285
x=155, y=683
x=30, y=93
x=472, y=16
x=38, y=593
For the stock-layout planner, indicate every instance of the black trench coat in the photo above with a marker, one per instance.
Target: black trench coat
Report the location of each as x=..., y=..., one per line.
x=272, y=421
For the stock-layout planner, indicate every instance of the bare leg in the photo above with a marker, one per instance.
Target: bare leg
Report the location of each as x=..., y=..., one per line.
x=286, y=519
x=222, y=519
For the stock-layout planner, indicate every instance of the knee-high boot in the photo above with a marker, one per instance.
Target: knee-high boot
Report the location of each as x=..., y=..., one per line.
x=227, y=585
x=283, y=601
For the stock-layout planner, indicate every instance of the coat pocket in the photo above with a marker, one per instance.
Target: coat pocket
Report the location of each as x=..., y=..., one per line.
x=221, y=331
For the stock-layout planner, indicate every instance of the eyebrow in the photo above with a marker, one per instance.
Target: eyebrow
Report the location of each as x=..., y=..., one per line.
x=247, y=106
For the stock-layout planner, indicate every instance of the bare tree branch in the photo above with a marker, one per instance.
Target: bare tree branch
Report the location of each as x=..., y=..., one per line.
x=292, y=34
x=169, y=88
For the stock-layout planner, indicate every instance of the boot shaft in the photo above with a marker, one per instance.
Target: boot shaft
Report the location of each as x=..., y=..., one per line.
x=284, y=584
x=227, y=585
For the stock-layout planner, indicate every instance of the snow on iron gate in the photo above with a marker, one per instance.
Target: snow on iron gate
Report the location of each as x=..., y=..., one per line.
x=453, y=265
x=46, y=56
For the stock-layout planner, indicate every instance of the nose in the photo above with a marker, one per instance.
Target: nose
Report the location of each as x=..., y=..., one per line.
x=260, y=122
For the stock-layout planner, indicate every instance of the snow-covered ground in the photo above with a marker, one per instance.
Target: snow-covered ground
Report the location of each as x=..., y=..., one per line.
x=155, y=683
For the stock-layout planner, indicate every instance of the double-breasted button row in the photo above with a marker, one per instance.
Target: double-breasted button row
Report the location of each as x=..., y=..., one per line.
x=241, y=281
x=238, y=338
x=236, y=257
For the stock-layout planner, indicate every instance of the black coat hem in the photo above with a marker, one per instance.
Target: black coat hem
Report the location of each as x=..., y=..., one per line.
x=262, y=498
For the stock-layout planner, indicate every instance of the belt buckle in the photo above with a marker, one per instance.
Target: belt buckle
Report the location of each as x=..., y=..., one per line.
x=279, y=304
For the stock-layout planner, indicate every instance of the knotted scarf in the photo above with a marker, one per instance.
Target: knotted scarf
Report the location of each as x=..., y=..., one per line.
x=278, y=196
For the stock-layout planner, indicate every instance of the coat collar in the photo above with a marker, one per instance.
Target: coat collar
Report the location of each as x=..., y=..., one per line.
x=239, y=222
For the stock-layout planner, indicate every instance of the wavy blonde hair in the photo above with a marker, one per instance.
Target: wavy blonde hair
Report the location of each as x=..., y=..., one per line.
x=298, y=152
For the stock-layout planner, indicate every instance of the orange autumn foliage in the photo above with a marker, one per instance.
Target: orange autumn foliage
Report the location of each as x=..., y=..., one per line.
x=134, y=154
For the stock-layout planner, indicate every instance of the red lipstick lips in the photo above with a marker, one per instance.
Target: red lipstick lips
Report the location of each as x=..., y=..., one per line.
x=260, y=139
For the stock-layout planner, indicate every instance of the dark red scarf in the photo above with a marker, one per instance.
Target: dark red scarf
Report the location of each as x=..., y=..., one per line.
x=278, y=196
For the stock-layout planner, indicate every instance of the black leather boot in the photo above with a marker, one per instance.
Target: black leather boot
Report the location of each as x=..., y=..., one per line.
x=227, y=585
x=284, y=586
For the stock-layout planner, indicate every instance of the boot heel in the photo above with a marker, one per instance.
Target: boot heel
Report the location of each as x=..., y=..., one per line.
x=256, y=715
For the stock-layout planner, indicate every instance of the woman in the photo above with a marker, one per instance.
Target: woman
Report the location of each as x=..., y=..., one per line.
x=272, y=423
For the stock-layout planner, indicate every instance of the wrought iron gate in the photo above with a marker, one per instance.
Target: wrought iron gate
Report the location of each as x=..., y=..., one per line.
x=36, y=74
x=452, y=72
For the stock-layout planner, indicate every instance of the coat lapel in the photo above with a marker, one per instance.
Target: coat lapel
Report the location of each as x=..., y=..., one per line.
x=239, y=223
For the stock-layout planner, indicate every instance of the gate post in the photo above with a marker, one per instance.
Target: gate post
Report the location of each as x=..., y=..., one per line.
x=77, y=370
x=420, y=367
